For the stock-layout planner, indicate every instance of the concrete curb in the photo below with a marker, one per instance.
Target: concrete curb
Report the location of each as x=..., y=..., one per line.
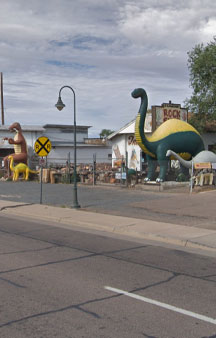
x=184, y=236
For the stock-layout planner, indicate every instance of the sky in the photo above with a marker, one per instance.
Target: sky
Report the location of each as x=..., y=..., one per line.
x=103, y=49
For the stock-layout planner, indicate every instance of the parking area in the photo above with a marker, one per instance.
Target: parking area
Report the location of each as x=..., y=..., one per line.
x=196, y=209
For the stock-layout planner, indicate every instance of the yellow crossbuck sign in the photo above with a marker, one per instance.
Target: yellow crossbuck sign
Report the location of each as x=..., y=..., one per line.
x=42, y=146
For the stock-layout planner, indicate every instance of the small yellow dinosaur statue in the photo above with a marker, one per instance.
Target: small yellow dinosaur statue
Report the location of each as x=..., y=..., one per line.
x=20, y=168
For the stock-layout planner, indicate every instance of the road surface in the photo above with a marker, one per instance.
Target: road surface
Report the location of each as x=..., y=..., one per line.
x=63, y=283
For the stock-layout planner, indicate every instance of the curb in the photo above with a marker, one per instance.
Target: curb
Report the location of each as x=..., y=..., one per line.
x=15, y=209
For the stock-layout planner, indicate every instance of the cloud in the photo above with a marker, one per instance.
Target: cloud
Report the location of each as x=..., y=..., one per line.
x=166, y=28
x=103, y=49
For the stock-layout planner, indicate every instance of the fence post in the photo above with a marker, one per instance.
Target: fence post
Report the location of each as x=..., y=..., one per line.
x=121, y=181
x=68, y=169
x=126, y=168
x=191, y=180
x=94, y=168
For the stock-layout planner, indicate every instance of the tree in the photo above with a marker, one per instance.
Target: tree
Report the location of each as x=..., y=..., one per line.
x=202, y=68
x=105, y=132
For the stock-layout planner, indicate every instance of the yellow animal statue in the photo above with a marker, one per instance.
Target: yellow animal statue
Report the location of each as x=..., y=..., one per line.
x=20, y=168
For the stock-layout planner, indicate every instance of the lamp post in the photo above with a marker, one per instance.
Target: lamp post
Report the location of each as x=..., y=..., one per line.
x=60, y=105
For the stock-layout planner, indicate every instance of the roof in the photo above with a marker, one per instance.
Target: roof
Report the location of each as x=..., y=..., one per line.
x=44, y=127
x=78, y=144
x=65, y=126
x=127, y=129
x=24, y=127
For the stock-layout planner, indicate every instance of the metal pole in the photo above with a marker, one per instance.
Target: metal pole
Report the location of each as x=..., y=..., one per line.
x=41, y=179
x=69, y=179
x=75, y=200
x=2, y=100
x=94, y=169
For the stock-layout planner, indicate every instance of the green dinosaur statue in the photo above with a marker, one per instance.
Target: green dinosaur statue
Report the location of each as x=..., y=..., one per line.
x=173, y=134
x=20, y=168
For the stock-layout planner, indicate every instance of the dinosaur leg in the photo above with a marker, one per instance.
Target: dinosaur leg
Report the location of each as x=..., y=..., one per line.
x=163, y=162
x=15, y=175
x=27, y=174
x=163, y=170
x=152, y=165
x=7, y=167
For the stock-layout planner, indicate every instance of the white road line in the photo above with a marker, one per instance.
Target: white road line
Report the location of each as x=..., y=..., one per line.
x=163, y=305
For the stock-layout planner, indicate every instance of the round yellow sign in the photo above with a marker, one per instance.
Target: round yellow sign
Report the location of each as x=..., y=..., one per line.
x=42, y=146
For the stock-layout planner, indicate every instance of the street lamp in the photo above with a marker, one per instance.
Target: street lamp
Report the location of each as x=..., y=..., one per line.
x=60, y=105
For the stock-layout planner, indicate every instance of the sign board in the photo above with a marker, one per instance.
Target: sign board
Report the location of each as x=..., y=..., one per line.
x=167, y=111
x=214, y=166
x=204, y=165
x=42, y=162
x=119, y=176
x=42, y=146
x=124, y=175
x=148, y=123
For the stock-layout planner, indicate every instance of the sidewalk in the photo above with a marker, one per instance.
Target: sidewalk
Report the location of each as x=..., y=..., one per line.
x=186, y=236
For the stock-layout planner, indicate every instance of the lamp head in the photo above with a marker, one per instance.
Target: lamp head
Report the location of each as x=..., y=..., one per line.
x=60, y=105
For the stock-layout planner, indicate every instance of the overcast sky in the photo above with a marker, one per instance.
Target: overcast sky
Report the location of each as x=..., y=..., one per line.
x=103, y=49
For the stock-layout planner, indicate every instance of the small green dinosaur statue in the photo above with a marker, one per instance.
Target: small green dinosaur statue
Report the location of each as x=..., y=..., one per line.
x=20, y=168
x=173, y=134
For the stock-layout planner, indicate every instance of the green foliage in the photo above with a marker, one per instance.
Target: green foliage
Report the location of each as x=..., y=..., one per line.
x=202, y=68
x=181, y=178
x=203, y=122
x=198, y=122
x=105, y=132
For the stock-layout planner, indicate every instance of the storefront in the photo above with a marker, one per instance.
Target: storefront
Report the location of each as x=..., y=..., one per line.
x=125, y=148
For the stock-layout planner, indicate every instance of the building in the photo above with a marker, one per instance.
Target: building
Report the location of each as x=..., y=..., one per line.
x=62, y=140
x=126, y=149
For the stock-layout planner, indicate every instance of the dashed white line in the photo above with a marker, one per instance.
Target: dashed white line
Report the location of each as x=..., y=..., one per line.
x=163, y=305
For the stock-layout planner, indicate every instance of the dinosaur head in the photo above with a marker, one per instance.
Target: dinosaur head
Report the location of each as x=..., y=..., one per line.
x=138, y=92
x=15, y=127
x=168, y=153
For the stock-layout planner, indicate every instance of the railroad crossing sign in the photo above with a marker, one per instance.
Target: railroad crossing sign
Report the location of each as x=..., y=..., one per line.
x=42, y=146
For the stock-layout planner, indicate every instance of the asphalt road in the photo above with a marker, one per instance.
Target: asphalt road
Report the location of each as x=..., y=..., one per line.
x=67, y=283
x=111, y=200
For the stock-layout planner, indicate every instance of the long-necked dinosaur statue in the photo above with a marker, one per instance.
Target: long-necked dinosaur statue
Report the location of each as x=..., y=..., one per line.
x=20, y=168
x=203, y=156
x=173, y=134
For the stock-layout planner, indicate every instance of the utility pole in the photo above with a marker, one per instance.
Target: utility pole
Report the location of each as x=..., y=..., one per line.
x=2, y=101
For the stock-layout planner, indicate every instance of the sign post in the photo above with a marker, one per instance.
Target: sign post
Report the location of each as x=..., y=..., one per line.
x=42, y=148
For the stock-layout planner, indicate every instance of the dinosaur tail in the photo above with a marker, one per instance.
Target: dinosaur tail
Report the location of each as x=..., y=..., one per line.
x=34, y=171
